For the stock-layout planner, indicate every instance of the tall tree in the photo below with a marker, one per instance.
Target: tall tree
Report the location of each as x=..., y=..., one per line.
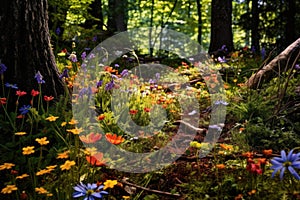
x=199, y=21
x=254, y=26
x=117, y=16
x=290, y=29
x=221, y=25
x=96, y=18
x=25, y=46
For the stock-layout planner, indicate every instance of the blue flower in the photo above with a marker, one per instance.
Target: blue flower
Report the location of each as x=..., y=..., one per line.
x=24, y=109
x=39, y=78
x=89, y=191
x=3, y=68
x=13, y=86
x=219, y=102
x=65, y=74
x=284, y=162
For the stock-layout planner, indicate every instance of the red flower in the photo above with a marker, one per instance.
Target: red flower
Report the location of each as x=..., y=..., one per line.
x=2, y=101
x=90, y=138
x=254, y=168
x=48, y=98
x=147, y=109
x=34, y=92
x=20, y=93
x=96, y=160
x=101, y=117
x=133, y=112
x=114, y=139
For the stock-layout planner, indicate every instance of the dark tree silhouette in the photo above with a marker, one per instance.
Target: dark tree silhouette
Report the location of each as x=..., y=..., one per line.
x=117, y=16
x=25, y=46
x=221, y=25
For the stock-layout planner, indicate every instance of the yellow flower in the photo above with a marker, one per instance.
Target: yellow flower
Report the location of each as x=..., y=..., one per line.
x=52, y=118
x=6, y=166
x=63, y=155
x=126, y=197
x=73, y=122
x=68, y=164
x=28, y=150
x=75, y=131
x=63, y=124
x=90, y=151
x=42, y=172
x=51, y=167
x=20, y=133
x=41, y=190
x=110, y=184
x=42, y=141
x=22, y=176
x=8, y=189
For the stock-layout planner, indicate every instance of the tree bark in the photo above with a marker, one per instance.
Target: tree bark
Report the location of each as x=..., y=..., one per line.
x=117, y=16
x=221, y=25
x=284, y=59
x=254, y=26
x=25, y=47
x=199, y=21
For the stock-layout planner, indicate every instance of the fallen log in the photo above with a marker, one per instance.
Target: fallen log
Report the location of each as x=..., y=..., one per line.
x=277, y=65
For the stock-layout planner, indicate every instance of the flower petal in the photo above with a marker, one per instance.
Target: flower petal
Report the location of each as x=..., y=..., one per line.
x=293, y=172
x=283, y=155
x=282, y=172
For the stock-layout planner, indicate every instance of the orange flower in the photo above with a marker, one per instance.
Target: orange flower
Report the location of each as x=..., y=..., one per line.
x=261, y=160
x=109, y=69
x=114, y=139
x=247, y=154
x=101, y=117
x=48, y=98
x=96, y=159
x=90, y=138
x=267, y=152
x=226, y=147
x=220, y=166
x=133, y=112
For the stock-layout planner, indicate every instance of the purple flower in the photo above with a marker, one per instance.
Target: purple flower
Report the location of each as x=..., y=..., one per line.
x=297, y=66
x=110, y=85
x=65, y=74
x=92, y=56
x=117, y=65
x=253, y=49
x=95, y=38
x=24, y=109
x=3, y=68
x=222, y=60
x=57, y=31
x=219, y=102
x=284, y=162
x=124, y=73
x=13, y=86
x=89, y=191
x=39, y=78
x=224, y=48
x=99, y=83
x=83, y=55
x=263, y=53
x=157, y=75
x=73, y=57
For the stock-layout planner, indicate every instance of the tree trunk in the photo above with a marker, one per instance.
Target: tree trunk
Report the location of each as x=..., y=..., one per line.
x=25, y=47
x=117, y=16
x=199, y=22
x=221, y=29
x=254, y=26
x=290, y=22
x=280, y=62
x=95, y=9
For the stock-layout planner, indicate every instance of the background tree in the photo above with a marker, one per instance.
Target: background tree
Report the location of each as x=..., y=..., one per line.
x=25, y=46
x=117, y=16
x=254, y=26
x=221, y=25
